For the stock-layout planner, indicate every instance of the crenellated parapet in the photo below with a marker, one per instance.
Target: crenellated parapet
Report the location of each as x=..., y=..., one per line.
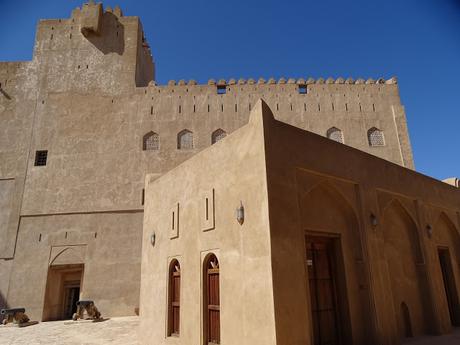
x=291, y=81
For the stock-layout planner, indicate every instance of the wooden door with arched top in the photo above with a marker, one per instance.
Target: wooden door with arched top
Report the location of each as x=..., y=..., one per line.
x=323, y=292
x=212, y=301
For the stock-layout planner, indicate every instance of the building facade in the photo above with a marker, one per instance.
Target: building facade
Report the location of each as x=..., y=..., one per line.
x=83, y=122
x=245, y=244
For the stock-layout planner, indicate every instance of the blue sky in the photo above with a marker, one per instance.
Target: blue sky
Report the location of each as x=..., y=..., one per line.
x=416, y=40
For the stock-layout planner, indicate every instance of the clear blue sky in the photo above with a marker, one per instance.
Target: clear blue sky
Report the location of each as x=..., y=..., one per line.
x=416, y=40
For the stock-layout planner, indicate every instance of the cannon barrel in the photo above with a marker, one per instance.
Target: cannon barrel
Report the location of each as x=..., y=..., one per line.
x=12, y=311
x=84, y=303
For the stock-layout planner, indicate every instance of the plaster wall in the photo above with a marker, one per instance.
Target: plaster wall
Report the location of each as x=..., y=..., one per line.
x=365, y=185
x=109, y=244
x=90, y=98
x=233, y=171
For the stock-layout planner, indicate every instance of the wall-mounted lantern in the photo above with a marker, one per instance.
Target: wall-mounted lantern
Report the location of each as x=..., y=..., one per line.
x=240, y=214
x=429, y=230
x=152, y=239
x=374, y=220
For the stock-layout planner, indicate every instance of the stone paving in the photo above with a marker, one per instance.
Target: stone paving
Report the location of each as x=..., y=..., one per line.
x=123, y=331
x=114, y=331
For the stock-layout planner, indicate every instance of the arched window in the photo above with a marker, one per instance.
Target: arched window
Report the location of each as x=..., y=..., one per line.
x=174, y=299
x=407, y=325
x=211, y=300
x=151, y=141
x=185, y=140
x=217, y=135
x=375, y=137
x=335, y=134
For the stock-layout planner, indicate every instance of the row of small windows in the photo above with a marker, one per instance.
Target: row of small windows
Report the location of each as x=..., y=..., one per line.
x=211, y=299
x=151, y=140
x=375, y=136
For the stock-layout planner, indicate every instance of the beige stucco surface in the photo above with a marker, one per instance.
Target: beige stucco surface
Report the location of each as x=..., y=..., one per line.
x=88, y=97
x=243, y=250
x=314, y=187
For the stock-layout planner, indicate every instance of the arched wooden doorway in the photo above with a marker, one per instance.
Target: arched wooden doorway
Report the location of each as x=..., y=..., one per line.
x=174, y=299
x=211, y=299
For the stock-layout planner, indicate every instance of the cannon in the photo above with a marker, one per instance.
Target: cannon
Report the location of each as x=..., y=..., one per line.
x=16, y=315
x=88, y=306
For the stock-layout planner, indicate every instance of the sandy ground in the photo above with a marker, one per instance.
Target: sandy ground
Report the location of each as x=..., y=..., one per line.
x=115, y=331
x=123, y=331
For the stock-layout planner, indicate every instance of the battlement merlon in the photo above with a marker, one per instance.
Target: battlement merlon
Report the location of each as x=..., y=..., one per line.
x=282, y=80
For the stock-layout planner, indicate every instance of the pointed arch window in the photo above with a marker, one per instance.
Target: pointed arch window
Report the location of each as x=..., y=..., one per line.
x=151, y=141
x=375, y=137
x=217, y=135
x=211, y=300
x=174, y=299
x=185, y=140
x=335, y=134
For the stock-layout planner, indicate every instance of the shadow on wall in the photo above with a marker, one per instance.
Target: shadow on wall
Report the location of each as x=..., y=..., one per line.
x=112, y=36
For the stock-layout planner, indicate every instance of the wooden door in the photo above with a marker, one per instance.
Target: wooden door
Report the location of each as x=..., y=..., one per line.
x=449, y=286
x=323, y=294
x=174, y=299
x=213, y=301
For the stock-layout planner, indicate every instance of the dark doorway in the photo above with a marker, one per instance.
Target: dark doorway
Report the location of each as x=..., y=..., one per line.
x=71, y=297
x=323, y=293
x=321, y=263
x=62, y=291
x=449, y=286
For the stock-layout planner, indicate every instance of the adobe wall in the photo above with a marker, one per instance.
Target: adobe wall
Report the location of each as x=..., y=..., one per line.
x=88, y=97
x=108, y=245
x=228, y=173
x=389, y=222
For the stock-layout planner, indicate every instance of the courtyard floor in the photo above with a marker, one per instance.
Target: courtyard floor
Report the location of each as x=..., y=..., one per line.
x=123, y=331
x=114, y=331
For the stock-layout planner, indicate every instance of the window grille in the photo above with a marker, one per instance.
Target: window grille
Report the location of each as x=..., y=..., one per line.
x=335, y=134
x=41, y=157
x=185, y=140
x=151, y=141
x=375, y=137
x=217, y=135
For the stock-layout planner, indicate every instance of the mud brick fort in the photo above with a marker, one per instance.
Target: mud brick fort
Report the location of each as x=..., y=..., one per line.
x=241, y=211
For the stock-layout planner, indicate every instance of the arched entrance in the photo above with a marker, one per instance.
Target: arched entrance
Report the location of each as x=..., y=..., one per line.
x=405, y=266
